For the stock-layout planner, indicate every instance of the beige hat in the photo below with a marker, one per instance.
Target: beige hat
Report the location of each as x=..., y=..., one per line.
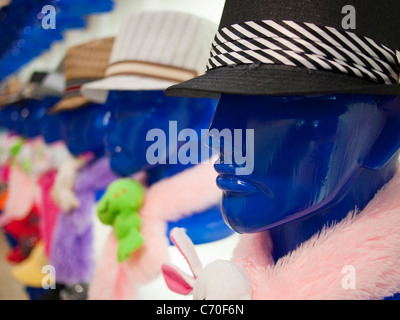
x=4, y=3
x=83, y=63
x=10, y=91
x=155, y=49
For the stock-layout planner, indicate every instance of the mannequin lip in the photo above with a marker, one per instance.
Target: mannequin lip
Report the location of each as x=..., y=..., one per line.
x=233, y=184
x=229, y=182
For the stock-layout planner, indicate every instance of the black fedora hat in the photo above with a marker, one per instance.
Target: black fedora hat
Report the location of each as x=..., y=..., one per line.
x=302, y=47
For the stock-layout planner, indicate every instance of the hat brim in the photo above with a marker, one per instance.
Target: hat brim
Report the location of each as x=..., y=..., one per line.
x=13, y=98
x=98, y=90
x=275, y=80
x=69, y=103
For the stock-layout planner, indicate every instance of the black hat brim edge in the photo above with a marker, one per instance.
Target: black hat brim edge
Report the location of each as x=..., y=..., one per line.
x=275, y=80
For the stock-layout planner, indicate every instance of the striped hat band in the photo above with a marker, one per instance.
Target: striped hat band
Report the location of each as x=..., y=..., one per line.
x=305, y=45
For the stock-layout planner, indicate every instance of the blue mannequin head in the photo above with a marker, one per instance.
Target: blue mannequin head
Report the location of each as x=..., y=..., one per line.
x=310, y=153
x=34, y=114
x=15, y=122
x=50, y=127
x=132, y=114
x=24, y=118
x=82, y=129
x=3, y=118
x=6, y=121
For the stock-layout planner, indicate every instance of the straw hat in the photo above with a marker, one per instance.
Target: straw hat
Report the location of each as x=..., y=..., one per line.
x=155, y=49
x=293, y=47
x=4, y=3
x=10, y=91
x=82, y=64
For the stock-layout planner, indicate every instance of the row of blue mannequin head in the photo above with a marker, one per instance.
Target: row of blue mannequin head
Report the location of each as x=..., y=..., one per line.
x=315, y=158
x=118, y=130
x=29, y=119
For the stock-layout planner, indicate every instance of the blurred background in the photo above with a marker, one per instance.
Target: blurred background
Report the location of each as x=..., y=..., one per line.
x=25, y=46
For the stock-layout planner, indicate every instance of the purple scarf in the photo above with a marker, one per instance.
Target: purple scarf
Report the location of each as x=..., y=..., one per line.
x=72, y=248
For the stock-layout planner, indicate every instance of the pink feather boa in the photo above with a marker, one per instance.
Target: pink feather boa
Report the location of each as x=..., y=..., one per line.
x=369, y=242
x=22, y=194
x=167, y=200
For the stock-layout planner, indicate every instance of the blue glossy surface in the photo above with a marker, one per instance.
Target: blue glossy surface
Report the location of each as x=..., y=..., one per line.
x=25, y=38
x=82, y=129
x=31, y=113
x=51, y=128
x=34, y=116
x=6, y=119
x=315, y=158
x=132, y=114
x=14, y=120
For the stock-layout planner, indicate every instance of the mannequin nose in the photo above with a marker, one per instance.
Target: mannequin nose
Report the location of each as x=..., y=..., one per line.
x=220, y=141
x=108, y=122
x=102, y=121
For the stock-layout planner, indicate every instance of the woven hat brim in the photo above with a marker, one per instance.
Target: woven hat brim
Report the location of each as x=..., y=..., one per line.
x=69, y=103
x=275, y=80
x=11, y=99
x=100, y=88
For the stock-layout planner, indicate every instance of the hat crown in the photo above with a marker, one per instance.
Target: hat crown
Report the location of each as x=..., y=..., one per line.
x=168, y=38
x=307, y=47
x=9, y=90
x=88, y=60
x=374, y=19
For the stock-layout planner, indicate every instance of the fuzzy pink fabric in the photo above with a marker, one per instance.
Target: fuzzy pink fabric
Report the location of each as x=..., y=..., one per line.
x=49, y=210
x=169, y=199
x=5, y=173
x=369, y=242
x=21, y=196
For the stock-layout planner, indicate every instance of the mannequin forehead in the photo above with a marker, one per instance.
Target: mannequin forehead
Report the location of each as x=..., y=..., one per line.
x=85, y=113
x=137, y=99
x=294, y=106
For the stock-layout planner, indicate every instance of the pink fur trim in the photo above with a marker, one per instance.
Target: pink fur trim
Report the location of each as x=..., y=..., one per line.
x=178, y=196
x=369, y=242
x=170, y=199
x=49, y=210
x=21, y=196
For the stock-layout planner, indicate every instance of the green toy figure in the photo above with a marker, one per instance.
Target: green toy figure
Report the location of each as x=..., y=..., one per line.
x=119, y=207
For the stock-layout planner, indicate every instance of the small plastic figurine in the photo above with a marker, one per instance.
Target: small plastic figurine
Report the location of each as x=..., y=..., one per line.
x=119, y=207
